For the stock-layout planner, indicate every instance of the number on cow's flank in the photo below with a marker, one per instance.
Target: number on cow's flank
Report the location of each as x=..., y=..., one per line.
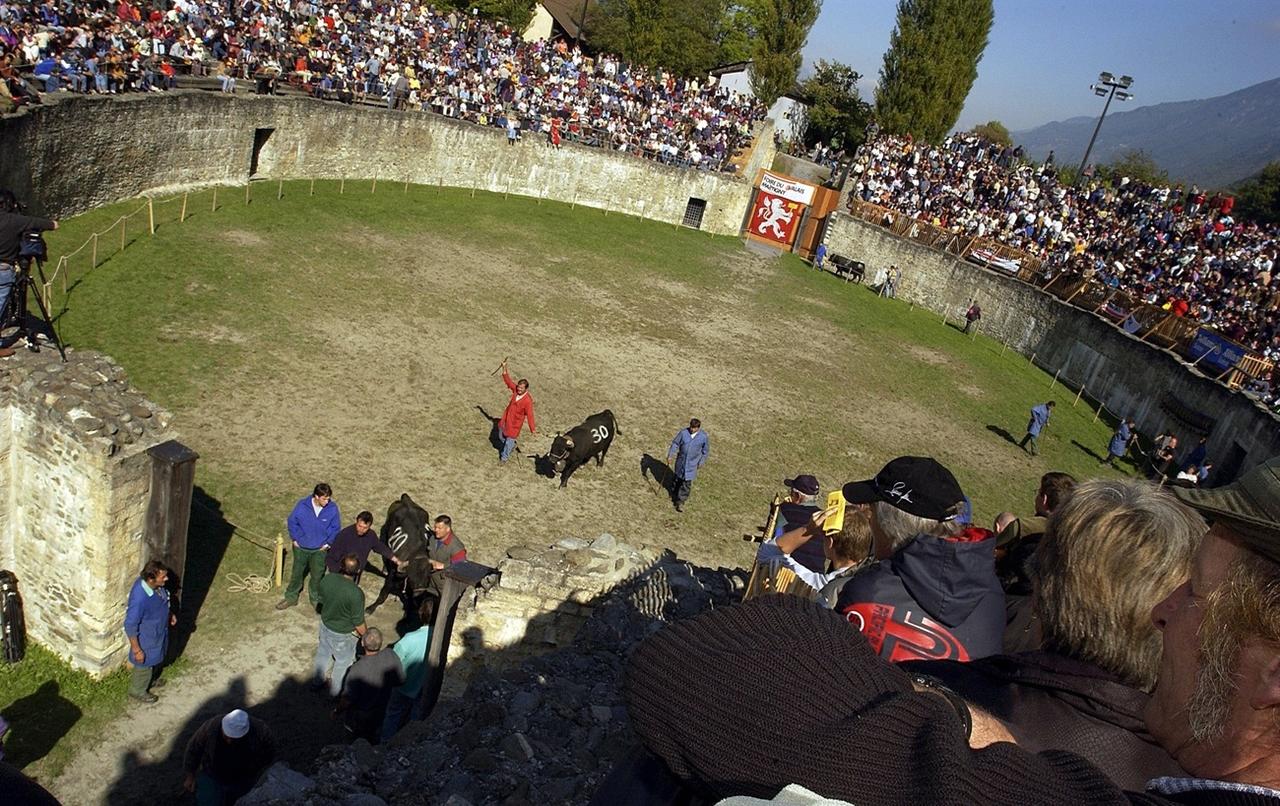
x=397, y=540
x=599, y=434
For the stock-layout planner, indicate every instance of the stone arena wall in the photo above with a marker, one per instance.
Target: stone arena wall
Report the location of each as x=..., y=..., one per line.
x=75, y=483
x=1130, y=376
x=82, y=152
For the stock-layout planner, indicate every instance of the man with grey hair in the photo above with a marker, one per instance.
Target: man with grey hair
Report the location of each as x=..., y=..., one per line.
x=1085, y=690
x=368, y=686
x=933, y=594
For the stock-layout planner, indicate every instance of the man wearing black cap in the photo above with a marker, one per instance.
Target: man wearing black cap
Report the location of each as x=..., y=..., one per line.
x=934, y=594
x=795, y=512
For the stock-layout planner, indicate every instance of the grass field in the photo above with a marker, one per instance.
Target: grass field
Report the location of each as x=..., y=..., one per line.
x=350, y=338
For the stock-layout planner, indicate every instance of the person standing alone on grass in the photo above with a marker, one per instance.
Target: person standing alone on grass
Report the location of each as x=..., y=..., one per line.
x=1119, y=444
x=1039, y=419
x=820, y=256
x=147, y=620
x=972, y=316
x=313, y=525
x=518, y=408
x=341, y=625
x=689, y=449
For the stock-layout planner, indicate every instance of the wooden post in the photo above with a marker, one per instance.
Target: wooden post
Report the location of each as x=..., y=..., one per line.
x=279, y=189
x=279, y=560
x=182, y=216
x=439, y=185
x=124, y=221
x=47, y=296
x=1098, y=413
x=406, y=185
x=1054, y=382
x=342, y=186
x=574, y=204
x=151, y=217
x=247, y=185
x=1004, y=345
x=62, y=269
x=214, y=209
x=1078, y=395
x=473, y=188
x=1031, y=360
x=374, y=189
x=313, y=186
x=94, y=262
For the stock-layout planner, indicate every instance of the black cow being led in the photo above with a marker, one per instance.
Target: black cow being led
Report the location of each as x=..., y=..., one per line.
x=574, y=448
x=407, y=532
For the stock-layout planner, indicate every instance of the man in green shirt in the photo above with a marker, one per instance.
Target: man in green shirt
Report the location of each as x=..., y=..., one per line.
x=341, y=603
x=412, y=651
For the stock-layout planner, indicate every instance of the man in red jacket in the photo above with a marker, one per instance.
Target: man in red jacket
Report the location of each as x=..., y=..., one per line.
x=520, y=407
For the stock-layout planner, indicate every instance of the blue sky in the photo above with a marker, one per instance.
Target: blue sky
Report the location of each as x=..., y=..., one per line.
x=1044, y=54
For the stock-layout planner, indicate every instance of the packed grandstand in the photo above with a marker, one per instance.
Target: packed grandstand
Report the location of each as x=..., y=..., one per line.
x=403, y=55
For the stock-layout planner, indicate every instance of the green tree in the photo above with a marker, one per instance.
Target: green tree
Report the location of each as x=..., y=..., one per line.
x=516, y=13
x=1138, y=166
x=687, y=37
x=738, y=27
x=837, y=114
x=994, y=131
x=931, y=65
x=1259, y=197
x=782, y=30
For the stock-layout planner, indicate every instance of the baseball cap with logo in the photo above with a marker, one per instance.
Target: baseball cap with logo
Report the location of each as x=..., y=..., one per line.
x=803, y=483
x=916, y=485
x=235, y=724
x=1249, y=506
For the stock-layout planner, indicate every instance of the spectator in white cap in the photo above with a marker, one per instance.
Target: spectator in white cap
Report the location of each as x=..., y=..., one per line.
x=225, y=757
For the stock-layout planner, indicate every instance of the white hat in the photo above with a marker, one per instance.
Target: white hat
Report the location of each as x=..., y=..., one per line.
x=235, y=724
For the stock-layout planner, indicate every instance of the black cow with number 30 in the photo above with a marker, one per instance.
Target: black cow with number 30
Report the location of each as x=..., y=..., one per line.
x=572, y=449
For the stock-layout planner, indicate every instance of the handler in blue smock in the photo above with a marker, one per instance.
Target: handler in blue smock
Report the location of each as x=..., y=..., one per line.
x=1119, y=442
x=147, y=620
x=313, y=525
x=690, y=449
x=1039, y=419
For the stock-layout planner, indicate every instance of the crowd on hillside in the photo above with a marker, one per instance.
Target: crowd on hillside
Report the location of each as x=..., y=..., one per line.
x=1180, y=248
x=405, y=55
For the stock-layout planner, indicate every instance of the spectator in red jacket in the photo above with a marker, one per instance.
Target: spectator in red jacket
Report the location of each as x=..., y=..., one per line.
x=519, y=407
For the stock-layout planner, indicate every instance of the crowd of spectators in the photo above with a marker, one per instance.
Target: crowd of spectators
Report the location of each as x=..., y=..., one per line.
x=406, y=55
x=1180, y=248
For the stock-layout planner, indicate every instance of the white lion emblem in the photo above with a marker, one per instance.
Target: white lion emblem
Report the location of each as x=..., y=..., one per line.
x=777, y=214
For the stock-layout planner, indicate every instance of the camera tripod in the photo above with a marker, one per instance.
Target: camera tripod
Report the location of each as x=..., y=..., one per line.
x=15, y=309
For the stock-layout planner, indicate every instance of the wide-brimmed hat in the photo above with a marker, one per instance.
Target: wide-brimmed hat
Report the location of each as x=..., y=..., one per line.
x=1249, y=506
x=914, y=484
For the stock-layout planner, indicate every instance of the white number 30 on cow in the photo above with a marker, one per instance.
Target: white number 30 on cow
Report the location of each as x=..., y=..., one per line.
x=599, y=434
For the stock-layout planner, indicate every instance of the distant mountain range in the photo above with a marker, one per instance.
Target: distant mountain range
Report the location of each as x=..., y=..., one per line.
x=1215, y=142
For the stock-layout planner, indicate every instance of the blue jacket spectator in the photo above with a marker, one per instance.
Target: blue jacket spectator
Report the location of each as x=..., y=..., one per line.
x=691, y=449
x=310, y=529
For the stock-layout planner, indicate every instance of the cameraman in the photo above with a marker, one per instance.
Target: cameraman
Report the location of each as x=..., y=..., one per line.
x=12, y=226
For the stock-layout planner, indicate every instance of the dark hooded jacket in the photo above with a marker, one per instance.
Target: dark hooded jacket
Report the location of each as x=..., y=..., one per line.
x=1052, y=702
x=936, y=598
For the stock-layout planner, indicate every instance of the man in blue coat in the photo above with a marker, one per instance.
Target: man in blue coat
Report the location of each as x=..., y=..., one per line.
x=1119, y=444
x=689, y=449
x=147, y=620
x=313, y=525
x=1039, y=419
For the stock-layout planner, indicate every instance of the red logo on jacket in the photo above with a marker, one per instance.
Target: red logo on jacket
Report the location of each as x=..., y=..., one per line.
x=898, y=635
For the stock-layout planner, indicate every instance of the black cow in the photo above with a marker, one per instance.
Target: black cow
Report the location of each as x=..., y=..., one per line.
x=407, y=531
x=573, y=449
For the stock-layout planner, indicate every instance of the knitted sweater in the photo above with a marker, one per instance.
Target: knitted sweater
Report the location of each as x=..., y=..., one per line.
x=778, y=690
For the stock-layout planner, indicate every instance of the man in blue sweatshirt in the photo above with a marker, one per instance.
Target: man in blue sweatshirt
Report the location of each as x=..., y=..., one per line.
x=313, y=524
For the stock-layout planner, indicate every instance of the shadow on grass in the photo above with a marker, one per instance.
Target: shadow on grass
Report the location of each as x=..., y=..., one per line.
x=1003, y=434
x=1087, y=450
x=39, y=720
x=494, y=439
x=207, y=539
x=652, y=469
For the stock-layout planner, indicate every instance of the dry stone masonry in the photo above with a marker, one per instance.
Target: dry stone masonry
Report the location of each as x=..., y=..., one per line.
x=74, y=486
x=541, y=719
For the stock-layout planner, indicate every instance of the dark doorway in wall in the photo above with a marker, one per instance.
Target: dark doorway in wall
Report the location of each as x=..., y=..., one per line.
x=1229, y=468
x=693, y=212
x=260, y=138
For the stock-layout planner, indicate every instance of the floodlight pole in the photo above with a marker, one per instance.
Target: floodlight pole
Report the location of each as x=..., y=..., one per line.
x=1105, y=80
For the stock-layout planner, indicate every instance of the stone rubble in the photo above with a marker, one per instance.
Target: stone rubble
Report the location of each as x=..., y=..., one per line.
x=530, y=728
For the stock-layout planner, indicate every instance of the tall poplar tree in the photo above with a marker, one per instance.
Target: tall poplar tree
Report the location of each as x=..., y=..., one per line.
x=782, y=29
x=931, y=65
